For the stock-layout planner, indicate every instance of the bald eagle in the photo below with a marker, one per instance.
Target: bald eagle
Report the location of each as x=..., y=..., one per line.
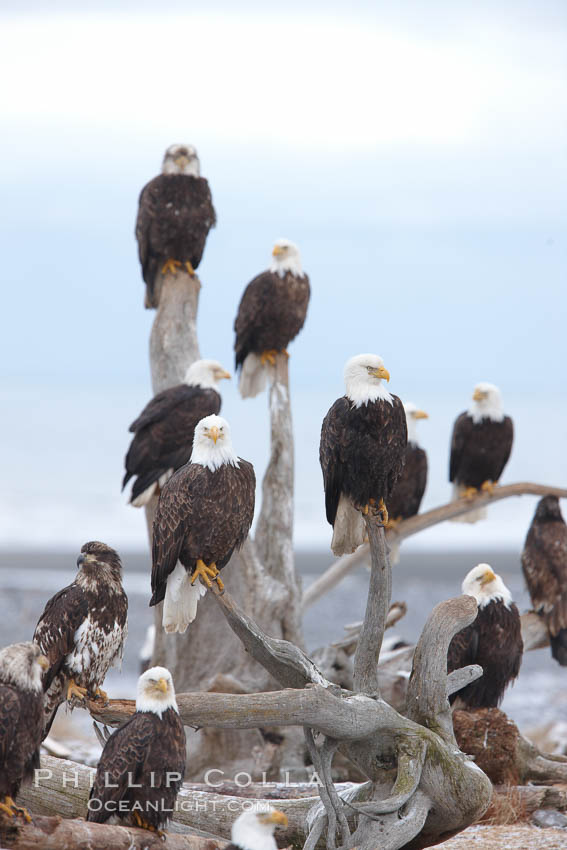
x=141, y=768
x=163, y=432
x=175, y=214
x=544, y=563
x=21, y=720
x=406, y=496
x=363, y=443
x=493, y=640
x=254, y=829
x=480, y=447
x=204, y=513
x=83, y=629
x=271, y=313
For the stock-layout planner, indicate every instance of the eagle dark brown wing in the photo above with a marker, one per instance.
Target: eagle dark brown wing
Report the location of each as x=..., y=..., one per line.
x=175, y=214
x=544, y=564
x=164, y=433
x=201, y=514
x=461, y=432
x=141, y=752
x=21, y=723
x=405, y=499
x=55, y=631
x=271, y=313
x=333, y=454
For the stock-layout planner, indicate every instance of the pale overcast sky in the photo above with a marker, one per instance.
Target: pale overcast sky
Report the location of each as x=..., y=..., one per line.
x=416, y=152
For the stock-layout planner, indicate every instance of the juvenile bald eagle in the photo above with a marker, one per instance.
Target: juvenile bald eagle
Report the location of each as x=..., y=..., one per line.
x=271, y=313
x=141, y=768
x=544, y=562
x=21, y=720
x=164, y=429
x=175, y=214
x=254, y=830
x=362, y=449
x=480, y=447
x=83, y=629
x=493, y=640
x=204, y=513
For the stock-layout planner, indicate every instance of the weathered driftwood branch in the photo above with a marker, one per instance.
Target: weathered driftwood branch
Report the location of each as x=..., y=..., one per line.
x=55, y=833
x=341, y=568
x=377, y=607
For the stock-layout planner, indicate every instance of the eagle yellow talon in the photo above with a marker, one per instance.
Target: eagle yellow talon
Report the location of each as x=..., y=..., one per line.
x=12, y=810
x=268, y=356
x=170, y=267
x=101, y=695
x=206, y=573
x=393, y=522
x=74, y=690
x=488, y=486
x=383, y=511
x=190, y=269
x=469, y=493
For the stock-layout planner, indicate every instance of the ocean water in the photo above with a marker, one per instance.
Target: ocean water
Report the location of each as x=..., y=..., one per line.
x=421, y=579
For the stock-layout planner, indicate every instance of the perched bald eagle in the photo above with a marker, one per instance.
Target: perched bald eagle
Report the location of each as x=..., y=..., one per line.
x=271, y=313
x=163, y=432
x=204, y=513
x=544, y=562
x=141, y=768
x=21, y=720
x=406, y=496
x=254, y=829
x=83, y=629
x=362, y=449
x=480, y=447
x=175, y=214
x=493, y=640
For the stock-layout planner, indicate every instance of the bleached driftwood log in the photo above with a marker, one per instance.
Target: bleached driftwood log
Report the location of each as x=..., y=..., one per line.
x=423, y=787
x=408, y=527
x=55, y=833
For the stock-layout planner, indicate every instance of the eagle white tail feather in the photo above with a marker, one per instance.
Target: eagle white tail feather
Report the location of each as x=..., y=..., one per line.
x=472, y=516
x=348, y=530
x=144, y=496
x=253, y=377
x=181, y=599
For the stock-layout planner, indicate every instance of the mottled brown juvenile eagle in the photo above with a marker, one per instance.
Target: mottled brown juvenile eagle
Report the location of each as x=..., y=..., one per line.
x=271, y=313
x=175, y=214
x=493, y=640
x=21, y=720
x=362, y=449
x=141, y=768
x=163, y=432
x=83, y=629
x=544, y=562
x=480, y=447
x=204, y=513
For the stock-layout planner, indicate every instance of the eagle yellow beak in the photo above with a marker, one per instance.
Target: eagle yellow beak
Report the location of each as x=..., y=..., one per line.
x=162, y=685
x=421, y=414
x=274, y=817
x=214, y=434
x=478, y=395
x=277, y=250
x=43, y=662
x=487, y=578
x=381, y=372
x=223, y=374
x=181, y=161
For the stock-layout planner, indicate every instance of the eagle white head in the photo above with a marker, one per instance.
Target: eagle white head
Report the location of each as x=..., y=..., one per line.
x=413, y=413
x=212, y=445
x=487, y=403
x=205, y=374
x=155, y=691
x=254, y=829
x=286, y=258
x=181, y=159
x=483, y=583
x=363, y=376
x=22, y=665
